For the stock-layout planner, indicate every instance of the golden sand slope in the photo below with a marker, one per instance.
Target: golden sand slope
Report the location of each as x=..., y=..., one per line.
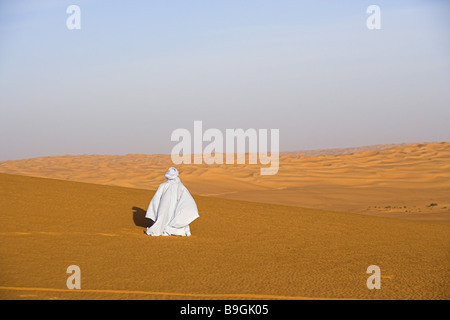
x=401, y=181
x=238, y=249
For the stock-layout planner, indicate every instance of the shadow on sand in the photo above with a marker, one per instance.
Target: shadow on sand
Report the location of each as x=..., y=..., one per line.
x=139, y=218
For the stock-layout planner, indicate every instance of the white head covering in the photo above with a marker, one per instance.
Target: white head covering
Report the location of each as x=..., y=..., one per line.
x=171, y=174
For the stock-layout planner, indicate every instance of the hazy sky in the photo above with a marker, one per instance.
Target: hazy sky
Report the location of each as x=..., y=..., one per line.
x=137, y=70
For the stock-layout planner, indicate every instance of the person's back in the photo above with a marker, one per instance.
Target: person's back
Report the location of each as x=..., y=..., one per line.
x=172, y=208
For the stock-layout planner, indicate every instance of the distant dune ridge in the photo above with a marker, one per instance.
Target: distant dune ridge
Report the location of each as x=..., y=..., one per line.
x=336, y=151
x=408, y=180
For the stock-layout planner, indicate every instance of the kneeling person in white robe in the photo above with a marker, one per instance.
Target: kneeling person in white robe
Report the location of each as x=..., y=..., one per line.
x=172, y=208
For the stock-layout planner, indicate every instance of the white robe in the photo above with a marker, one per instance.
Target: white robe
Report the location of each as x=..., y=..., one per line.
x=172, y=209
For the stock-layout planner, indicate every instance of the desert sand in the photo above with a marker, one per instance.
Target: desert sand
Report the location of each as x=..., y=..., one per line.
x=238, y=250
x=309, y=232
x=409, y=181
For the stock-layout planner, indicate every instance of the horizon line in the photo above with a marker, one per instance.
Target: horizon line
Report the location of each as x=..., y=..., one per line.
x=310, y=152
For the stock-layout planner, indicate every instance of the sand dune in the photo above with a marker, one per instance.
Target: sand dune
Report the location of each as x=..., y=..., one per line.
x=238, y=250
x=337, y=151
x=402, y=181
